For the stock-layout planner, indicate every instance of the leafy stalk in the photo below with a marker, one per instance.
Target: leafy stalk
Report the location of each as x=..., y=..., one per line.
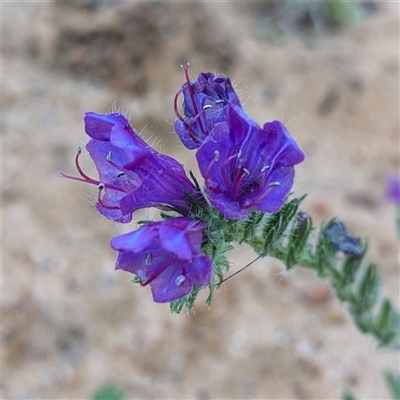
x=337, y=255
x=289, y=235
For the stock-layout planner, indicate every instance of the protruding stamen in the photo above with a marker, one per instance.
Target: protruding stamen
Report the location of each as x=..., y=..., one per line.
x=101, y=187
x=81, y=173
x=86, y=179
x=191, y=94
x=75, y=178
x=178, y=115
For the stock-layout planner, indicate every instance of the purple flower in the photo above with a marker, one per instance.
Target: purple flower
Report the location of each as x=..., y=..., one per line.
x=167, y=256
x=246, y=167
x=132, y=174
x=204, y=103
x=393, y=189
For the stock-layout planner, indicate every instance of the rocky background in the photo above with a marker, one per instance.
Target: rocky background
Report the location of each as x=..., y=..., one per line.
x=71, y=324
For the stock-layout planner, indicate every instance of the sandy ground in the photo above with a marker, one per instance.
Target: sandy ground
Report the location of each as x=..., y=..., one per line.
x=70, y=322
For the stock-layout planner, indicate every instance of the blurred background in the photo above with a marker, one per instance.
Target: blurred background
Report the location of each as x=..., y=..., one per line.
x=71, y=324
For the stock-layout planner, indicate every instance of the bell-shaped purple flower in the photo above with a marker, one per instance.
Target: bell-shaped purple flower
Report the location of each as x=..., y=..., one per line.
x=246, y=167
x=204, y=103
x=167, y=256
x=132, y=174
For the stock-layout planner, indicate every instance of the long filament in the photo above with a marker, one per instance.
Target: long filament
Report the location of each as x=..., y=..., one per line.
x=190, y=89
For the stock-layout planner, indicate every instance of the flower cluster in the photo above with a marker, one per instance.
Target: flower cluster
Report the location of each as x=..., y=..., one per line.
x=245, y=168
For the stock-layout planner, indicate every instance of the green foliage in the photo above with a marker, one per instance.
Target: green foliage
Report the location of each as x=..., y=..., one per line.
x=176, y=306
x=393, y=382
x=289, y=235
x=108, y=392
x=275, y=19
x=342, y=12
x=347, y=396
x=354, y=280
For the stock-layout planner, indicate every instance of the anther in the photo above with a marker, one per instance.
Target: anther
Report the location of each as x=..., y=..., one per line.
x=142, y=275
x=149, y=259
x=274, y=184
x=246, y=171
x=216, y=158
x=265, y=168
x=81, y=173
x=101, y=186
x=112, y=163
x=207, y=106
x=86, y=179
x=120, y=174
x=179, y=280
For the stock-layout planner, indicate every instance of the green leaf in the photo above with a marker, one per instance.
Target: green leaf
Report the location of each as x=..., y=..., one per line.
x=348, y=396
x=194, y=179
x=368, y=288
x=393, y=381
x=108, y=392
x=383, y=317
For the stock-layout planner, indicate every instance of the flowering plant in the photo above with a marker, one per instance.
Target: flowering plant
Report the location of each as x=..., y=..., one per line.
x=248, y=174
